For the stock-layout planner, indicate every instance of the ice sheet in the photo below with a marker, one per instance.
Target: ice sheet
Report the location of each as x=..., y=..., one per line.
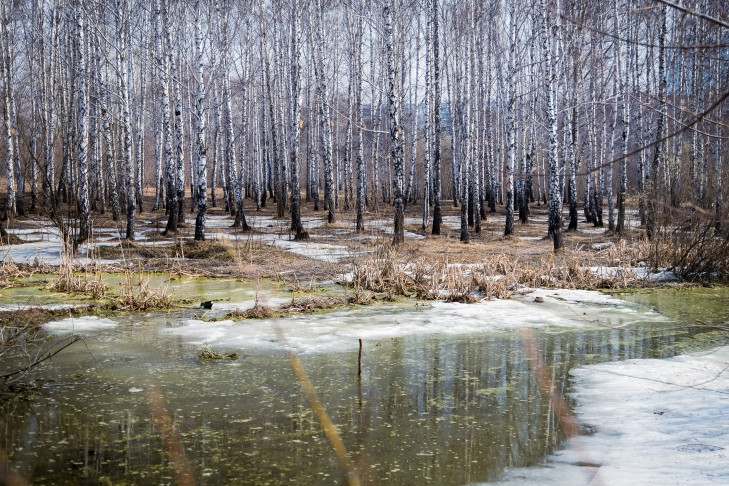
x=339, y=331
x=79, y=325
x=657, y=422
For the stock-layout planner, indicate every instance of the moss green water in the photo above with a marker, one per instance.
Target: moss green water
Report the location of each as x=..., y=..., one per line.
x=33, y=291
x=428, y=409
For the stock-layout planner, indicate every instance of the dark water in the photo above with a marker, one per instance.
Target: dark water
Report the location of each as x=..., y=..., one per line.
x=433, y=409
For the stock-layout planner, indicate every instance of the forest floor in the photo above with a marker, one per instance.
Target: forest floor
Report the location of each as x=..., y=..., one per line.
x=592, y=256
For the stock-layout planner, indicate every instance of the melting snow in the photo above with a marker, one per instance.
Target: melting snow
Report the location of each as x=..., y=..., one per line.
x=657, y=422
x=339, y=331
x=79, y=325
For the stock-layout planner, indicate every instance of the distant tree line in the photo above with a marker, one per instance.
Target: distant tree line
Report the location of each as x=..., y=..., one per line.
x=362, y=105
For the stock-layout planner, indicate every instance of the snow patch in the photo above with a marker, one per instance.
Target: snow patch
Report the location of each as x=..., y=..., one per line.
x=339, y=331
x=673, y=425
x=79, y=325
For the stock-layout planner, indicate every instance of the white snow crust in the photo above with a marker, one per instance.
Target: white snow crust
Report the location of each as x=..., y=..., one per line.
x=657, y=422
x=339, y=331
x=79, y=325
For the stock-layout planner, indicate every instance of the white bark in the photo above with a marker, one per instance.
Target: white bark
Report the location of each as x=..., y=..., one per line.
x=9, y=122
x=296, y=121
x=324, y=120
x=555, y=192
x=84, y=231
x=201, y=152
x=511, y=125
x=395, y=126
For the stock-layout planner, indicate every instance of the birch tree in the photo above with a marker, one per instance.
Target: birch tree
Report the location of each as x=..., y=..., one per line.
x=295, y=108
x=511, y=122
x=549, y=42
x=84, y=231
x=200, y=130
x=10, y=120
x=395, y=127
x=122, y=18
x=324, y=120
x=437, y=215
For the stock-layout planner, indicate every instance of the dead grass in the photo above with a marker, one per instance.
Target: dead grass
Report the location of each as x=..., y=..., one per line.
x=309, y=305
x=136, y=294
x=86, y=282
x=436, y=267
x=10, y=273
x=214, y=251
x=695, y=247
x=258, y=311
x=10, y=239
x=209, y=354
x=497, y=276
x=305, y=305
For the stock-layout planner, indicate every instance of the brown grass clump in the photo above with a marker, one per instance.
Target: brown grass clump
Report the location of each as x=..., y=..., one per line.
x=308, y=305
x=311, y=305
x=215, y=251
x=68, y=281
x=10, y=239
x=9, y=273
x=209, y=354
x=139, y=295
x=258, y=311
x=211, y=250
x=496, y=277
x=384, y=272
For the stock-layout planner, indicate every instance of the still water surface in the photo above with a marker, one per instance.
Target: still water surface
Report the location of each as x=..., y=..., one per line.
x=429, y=408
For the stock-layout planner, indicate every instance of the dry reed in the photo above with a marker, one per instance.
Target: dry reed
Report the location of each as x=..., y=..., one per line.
x=139, y=295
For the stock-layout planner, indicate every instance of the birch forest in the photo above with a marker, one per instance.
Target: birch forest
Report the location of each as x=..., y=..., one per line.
x=122, y=107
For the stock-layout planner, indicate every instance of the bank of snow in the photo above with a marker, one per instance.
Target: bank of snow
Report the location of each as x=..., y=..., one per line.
x=656, y=422
x=340, y=331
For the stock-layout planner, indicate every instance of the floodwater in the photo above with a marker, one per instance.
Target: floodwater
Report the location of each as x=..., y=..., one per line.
x=446, y=395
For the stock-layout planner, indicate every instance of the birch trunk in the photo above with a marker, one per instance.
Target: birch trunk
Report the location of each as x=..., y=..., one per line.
x=141, y=116
x=201, y=152
x=555, y=192
x=395, y=127
x=437, y=215
x=359, y=121
x=296, y=121
x=324, y=120
x=652, y=202
x=511, y=126
x=623, y=182
x=84, y=231
x=10, y=125
x=274, y=147
x=428, y=143
x=168, y=76
x=122, y=13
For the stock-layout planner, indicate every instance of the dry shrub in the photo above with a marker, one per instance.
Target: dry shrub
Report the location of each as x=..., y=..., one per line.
x=696, y=247
x=20, y=337
x=10, y=239
x=136, y=294
x=627, y=253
